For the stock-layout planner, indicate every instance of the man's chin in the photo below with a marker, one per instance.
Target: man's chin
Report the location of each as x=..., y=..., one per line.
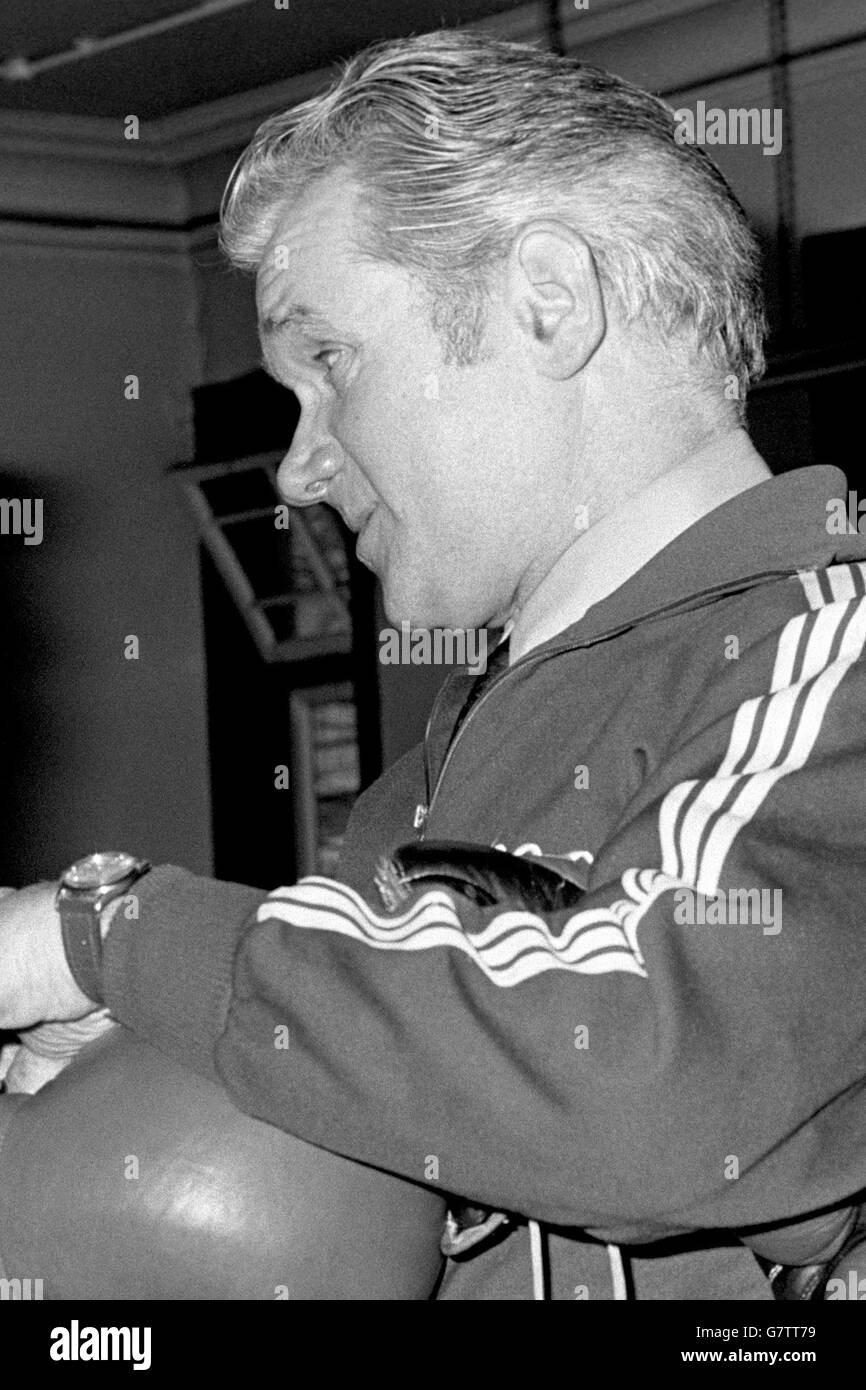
x=406, y=603
x=424, y=615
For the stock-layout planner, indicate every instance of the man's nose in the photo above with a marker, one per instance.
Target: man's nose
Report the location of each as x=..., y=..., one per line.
x=313, y=460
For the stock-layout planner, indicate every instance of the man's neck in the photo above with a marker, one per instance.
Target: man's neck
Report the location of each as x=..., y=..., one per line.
x=628, y=535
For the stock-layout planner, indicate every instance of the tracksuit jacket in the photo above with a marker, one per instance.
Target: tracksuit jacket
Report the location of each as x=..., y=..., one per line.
x=680, y=1056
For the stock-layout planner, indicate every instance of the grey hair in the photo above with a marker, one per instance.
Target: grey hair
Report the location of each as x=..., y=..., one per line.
x=455, y=140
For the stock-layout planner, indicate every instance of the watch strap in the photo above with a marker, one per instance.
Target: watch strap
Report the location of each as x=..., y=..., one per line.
x=82, y=942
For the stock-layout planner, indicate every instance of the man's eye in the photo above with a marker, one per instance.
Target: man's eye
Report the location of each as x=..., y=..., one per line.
x=328, y=357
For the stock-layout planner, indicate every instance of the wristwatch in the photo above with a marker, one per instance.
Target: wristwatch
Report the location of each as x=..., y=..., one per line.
x=86, y=888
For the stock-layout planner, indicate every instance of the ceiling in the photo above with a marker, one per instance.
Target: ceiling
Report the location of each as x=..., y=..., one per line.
x=239, y=49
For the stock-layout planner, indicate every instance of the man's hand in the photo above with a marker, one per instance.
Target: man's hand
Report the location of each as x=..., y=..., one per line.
x=36, y=983
x=47, y=1049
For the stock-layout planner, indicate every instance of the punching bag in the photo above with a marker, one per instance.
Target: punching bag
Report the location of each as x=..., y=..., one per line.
x=130, y=1177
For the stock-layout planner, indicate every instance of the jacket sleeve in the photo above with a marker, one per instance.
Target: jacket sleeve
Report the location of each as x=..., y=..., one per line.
x=685, y=1050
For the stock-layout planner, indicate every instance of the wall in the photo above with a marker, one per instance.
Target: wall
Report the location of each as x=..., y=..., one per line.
x=98, y=751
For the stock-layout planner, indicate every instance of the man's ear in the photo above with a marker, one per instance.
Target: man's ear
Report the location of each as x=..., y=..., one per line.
x=554, y=293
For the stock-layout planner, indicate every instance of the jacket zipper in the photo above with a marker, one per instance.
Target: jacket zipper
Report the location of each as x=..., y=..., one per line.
x=683, y=605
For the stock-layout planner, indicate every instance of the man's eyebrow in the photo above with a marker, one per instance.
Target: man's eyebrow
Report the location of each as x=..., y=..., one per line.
x=293, y=316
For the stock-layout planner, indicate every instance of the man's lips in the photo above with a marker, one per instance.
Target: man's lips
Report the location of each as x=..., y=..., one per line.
x=362, y=530
x=357, y=522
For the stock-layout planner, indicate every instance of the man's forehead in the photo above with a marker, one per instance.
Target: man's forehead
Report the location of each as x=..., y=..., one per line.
x=286, y=283
x=312, y=241
x=314, y=279
x=300, y=292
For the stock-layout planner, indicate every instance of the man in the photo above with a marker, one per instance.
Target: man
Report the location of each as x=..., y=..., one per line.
x=520, y=320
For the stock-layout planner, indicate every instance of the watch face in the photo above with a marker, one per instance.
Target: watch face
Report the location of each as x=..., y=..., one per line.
x=97, y=870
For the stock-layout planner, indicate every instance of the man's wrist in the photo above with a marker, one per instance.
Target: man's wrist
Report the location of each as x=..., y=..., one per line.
x=88, y=890
x=76, y=1002
x=107, y=915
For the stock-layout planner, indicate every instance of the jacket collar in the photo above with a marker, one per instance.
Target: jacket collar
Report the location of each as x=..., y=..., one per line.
x=778, y=526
